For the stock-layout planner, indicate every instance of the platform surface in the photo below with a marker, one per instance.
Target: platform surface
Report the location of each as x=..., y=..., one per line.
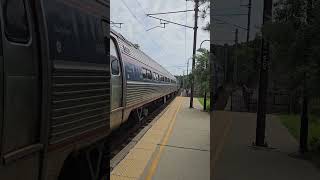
x=236, y=158
x=176, y=147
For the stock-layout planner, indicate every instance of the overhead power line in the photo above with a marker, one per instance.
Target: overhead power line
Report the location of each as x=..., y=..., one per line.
x=171, y=22
x=135, y=17
x=235, y=25
x=231, y=14
x=139, y=4
x=171, y=12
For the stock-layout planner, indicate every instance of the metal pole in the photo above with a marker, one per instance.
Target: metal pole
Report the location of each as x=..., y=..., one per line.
x=263, y=83
x=194, y=49
x=211, y=67
x=303, y=147
x=249, y=20
x=235, y=71
x=203, y=42
x=183, y=80
x=225, y=62
x=205, y=91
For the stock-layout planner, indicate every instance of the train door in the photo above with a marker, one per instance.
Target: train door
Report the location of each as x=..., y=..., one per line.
x=116, y=85
x=19, y=123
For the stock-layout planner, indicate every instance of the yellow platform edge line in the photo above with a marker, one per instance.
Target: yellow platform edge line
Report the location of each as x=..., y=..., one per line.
x=162, y=122
x=156, y=160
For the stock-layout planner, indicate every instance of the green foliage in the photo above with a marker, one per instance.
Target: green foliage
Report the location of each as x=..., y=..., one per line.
x=201, y=71
x=201, y=100
x=295, y=37
x=292, y=122
x=247, y=56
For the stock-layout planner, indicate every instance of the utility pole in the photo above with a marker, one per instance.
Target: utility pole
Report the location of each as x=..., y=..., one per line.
x=235, y=71
x=249, y=20
x=225, y=62
x=303, y=147
x=183, y=80
x=263, y=83
x=194, y=49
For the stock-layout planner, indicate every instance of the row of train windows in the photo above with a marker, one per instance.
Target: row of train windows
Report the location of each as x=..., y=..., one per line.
x=147, y=74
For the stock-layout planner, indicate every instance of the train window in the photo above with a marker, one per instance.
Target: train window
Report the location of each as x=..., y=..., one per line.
x=144, y=73
x=16, y=21
x=130, y=71
x=154, y=76
x=113, y=50
x=149, y=73
x=115, y=66
x=115, y=69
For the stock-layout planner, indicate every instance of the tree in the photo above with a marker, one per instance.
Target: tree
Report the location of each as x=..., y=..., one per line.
x=201, y=73
x=295, y=37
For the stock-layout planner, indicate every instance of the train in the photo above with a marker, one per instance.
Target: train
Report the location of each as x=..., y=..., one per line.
x=66, y=82
x=136, y=79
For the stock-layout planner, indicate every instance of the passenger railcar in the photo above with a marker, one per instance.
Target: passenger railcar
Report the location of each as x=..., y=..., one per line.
x=136, y=80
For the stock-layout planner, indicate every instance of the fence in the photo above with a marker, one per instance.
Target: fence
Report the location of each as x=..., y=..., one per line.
x=277, y=101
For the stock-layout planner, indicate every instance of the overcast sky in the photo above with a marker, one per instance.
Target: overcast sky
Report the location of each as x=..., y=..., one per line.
x=225, y=33
x=166, y=46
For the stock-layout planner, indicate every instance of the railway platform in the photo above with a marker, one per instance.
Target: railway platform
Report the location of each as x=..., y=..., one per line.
x=234, y=156
x=176, y=146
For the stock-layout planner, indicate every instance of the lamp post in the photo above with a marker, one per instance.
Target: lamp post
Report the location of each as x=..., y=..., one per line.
x=205, y=92
x=207, y=40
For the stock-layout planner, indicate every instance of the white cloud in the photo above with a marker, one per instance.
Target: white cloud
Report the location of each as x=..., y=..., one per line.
x=166, y=46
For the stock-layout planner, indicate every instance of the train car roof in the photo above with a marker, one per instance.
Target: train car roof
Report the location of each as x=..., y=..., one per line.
x=139, y=55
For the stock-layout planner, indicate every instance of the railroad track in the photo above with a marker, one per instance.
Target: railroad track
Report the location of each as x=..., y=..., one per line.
x=120, y=139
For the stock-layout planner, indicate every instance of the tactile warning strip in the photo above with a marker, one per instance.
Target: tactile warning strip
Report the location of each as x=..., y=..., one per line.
x=133, y=165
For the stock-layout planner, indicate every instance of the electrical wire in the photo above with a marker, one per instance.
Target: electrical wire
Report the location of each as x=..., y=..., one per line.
x=185, y=34
x=142, y=24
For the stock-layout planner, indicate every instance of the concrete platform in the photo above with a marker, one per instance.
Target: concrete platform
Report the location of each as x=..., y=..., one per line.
x=176, y=147
x=235, y=158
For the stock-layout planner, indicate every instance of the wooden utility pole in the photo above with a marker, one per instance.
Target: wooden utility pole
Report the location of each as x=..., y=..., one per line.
x=235, y=69
x=263, y=83
x=249, y=20
x=194, y=50
x=304, y=126
x=226, y=62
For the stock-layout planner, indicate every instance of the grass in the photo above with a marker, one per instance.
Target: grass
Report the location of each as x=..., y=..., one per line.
x=201, y=100
x=292, y=122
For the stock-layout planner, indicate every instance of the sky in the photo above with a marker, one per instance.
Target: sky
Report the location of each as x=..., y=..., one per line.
x=170, y=47
x=225, y=33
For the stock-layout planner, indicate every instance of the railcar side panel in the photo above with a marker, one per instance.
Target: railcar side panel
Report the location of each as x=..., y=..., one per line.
x=20, y=83
x=80, y=73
